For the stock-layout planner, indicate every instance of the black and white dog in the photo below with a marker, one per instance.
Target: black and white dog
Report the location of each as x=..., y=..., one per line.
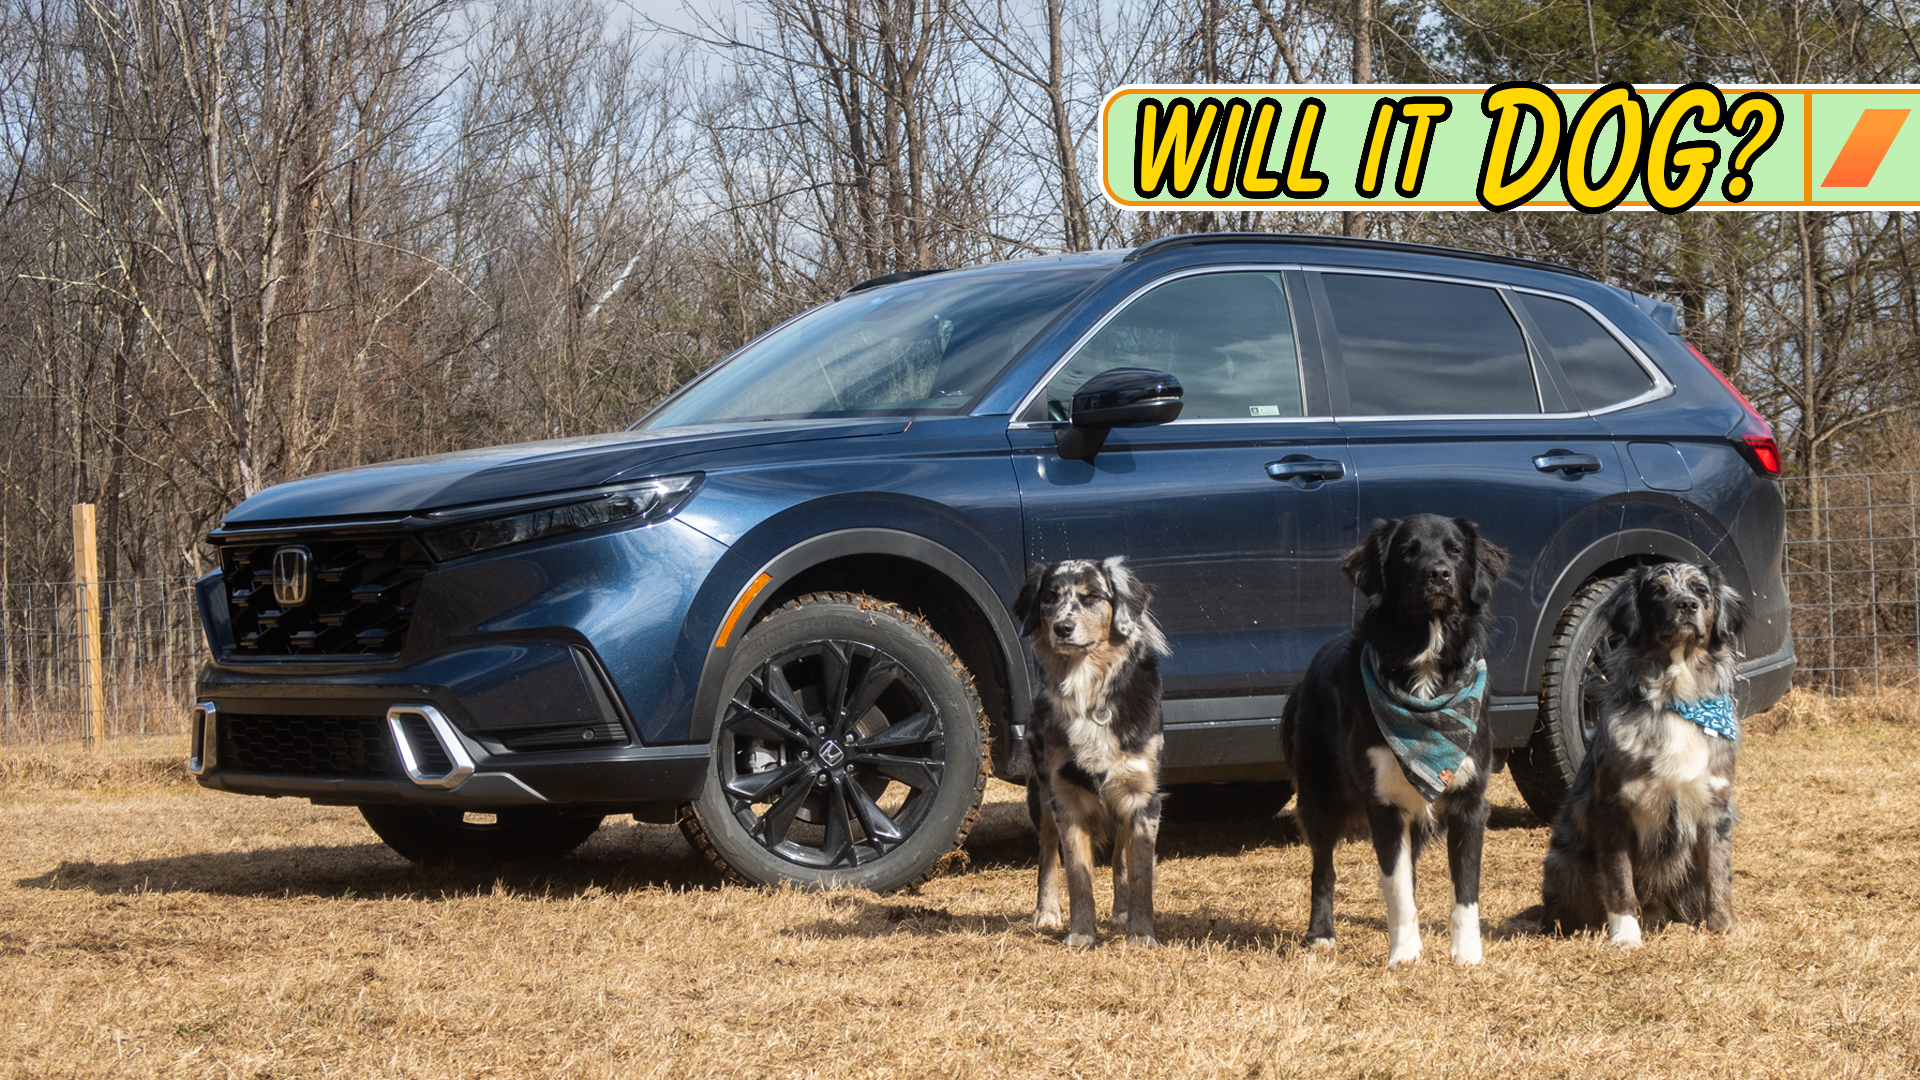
x=1646, y=833
x=1387, y=725
x=1094, y=740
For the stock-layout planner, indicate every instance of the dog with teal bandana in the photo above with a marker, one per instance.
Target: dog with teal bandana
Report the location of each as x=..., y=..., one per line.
x=1386, y=730
x=1645, y=835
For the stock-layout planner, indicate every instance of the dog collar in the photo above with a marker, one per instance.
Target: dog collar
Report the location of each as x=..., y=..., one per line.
x=1713, y=715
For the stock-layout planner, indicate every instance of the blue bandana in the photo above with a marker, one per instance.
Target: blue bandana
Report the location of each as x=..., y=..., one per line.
x=1714, y=715
x=1430, y=736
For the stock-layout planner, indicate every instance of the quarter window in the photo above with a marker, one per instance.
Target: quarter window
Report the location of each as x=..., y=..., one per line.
x=1226, y=337
x=1600, y=370
x=1413, y=348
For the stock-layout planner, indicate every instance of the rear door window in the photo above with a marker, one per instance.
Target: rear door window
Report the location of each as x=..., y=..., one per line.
x=1227, y=337
x=1413, y=347
x=1597, y=366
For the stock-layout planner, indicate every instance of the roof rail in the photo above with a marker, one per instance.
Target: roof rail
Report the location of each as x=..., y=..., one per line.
x=891, y=279
x=1166, y=243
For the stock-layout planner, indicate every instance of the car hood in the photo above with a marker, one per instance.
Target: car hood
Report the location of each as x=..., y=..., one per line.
x=507, y=472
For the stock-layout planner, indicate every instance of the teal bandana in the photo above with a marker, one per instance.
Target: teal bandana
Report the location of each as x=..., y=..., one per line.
x=1714, y=715
x=1430, y=736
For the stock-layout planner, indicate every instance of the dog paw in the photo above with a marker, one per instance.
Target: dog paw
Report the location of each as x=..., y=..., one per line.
x=1119, y=918
x=1323, y=944
x=1145, y=941
x=1046, y=920
x=1079, y=941
x=1403, y=950
x=1466, y=952
x=1623, y=931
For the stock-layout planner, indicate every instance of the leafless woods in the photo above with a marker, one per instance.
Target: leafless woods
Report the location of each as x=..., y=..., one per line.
x=241, y=243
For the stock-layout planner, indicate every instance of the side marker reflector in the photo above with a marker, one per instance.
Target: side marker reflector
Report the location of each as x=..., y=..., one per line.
x=739, y=608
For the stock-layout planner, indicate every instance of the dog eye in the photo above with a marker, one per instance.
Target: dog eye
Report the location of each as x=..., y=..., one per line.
x=1453, y=549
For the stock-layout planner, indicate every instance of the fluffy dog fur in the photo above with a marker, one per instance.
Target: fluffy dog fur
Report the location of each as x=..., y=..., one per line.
x=1646, y=832
x=1427, y=580
x=1095, y=738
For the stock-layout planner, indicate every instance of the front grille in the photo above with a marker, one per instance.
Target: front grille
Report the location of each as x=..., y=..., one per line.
x=330, y=746
x=360, y=592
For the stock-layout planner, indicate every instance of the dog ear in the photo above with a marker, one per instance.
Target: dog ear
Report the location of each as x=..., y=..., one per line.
x=1129, y=595
x=1621, y=610
x=1367, y=564
x=1729, y=608
x=1026, y=606
x=1489, y=562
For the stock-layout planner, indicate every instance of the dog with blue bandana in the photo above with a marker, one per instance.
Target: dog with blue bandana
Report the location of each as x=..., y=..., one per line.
x=1645, y=835
x=1387, y=730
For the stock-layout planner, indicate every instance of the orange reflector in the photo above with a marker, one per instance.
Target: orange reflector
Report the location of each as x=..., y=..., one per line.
x=739, y=608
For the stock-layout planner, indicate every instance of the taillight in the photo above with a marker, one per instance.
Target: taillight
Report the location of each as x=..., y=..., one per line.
x=1753, y=436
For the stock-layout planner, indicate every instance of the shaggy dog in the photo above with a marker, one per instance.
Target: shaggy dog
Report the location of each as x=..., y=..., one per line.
x=1094, y=740
x=1412, y=669
x=1646, y=833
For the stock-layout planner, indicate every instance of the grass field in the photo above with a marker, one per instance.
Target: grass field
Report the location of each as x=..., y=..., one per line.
x=148, y=928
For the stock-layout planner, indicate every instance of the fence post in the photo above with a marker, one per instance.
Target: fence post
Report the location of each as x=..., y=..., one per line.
x=86, y=571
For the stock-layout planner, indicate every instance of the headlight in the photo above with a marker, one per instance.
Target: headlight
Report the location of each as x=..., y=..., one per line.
x=489, y=527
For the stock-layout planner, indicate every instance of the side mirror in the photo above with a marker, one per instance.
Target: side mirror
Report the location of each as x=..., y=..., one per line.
x=1116, y=398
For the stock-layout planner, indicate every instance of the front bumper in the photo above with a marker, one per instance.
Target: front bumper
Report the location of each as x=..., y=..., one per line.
x=481, y=728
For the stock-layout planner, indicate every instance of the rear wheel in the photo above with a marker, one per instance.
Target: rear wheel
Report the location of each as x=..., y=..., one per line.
x=1232, y=800
x=1572, y=687
x=437, y=834
x=851, y=751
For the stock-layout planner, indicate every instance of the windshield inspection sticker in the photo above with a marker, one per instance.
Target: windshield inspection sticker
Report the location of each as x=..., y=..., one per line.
x=1517, y=145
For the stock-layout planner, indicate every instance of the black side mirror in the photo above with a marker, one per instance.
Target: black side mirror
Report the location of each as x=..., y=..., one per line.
x=1116, y=398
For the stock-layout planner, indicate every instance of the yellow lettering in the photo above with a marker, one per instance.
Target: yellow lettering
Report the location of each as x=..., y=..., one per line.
x=1576, y=174
x=1176, y=138
x=1502, y=186
x=1690, y=161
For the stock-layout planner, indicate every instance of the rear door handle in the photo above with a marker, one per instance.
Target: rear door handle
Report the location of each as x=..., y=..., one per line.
x=1303, y=468
x=1566, y=464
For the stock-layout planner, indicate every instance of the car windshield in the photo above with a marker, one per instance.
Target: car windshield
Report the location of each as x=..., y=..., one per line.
x=930, y=345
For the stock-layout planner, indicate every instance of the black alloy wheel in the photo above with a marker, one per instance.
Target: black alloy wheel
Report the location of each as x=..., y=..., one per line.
x=850, y=752
x=1573, y=686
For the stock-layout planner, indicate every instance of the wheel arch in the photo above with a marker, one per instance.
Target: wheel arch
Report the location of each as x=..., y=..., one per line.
x=921, y=575
x=1616, y=554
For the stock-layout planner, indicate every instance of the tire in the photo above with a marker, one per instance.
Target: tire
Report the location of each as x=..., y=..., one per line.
x=437, y=835
x=1233, y=800
x=1571, y=687
x=790, y=798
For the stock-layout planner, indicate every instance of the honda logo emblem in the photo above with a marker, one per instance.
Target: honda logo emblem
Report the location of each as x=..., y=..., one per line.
x=290, y=566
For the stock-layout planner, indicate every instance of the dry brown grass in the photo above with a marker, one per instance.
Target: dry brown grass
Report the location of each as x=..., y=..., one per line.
x=160, y=930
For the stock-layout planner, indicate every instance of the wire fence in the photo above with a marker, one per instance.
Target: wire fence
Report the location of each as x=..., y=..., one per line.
x=1852, y=568
x=150, y=646
x=1853, y=572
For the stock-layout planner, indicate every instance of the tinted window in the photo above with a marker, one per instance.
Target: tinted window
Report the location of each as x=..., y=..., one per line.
x=1226, y=337
x=1600, y=369
x=1415, y=348
x=929, y=345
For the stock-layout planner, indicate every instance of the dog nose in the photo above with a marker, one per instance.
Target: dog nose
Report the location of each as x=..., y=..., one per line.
x=1063, y=628
x=1440, y=574
x=1689, y=605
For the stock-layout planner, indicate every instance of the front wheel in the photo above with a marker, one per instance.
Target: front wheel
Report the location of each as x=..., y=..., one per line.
x=1572, y=687
x=437, y=834
x=851, y=752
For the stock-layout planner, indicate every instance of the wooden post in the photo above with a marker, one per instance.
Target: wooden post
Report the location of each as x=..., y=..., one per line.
x=86, y=571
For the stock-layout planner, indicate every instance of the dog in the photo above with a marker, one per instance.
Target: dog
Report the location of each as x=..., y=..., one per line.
x=1646, y=832
x=1418, y=650
x=1094, y=740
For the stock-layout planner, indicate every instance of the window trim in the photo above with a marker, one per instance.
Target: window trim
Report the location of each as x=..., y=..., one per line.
x=1662, y=386
x=1293, y=331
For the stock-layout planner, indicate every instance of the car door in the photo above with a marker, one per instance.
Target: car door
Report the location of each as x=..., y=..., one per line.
x=1448, y=409
x=1236, y=513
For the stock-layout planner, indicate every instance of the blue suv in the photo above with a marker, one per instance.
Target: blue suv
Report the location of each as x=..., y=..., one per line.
x=775, y=609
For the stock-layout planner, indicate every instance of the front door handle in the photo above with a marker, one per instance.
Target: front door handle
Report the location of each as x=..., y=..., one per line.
x=1565, y=463
x=1305, y=468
